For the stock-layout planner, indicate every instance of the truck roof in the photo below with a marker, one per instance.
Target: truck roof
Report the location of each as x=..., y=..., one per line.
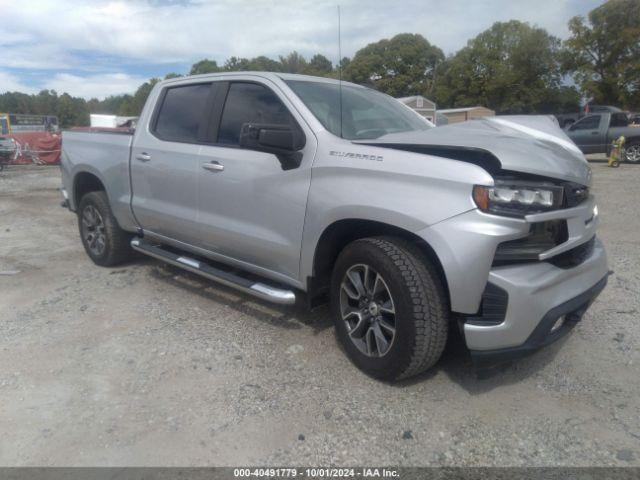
x=275, y=76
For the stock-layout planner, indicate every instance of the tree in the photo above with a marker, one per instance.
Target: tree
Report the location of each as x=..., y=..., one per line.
x=511, y=68
x=204, y=66
x=293, y=63
x=113, y=104
x=45, y=102
x=319, y=65
x=236, y=64
x=72, y=111
x=16, y=102
x=264, y=64
x=132, y=106
x=563, y=99
x=403, y=65
x=604, y=53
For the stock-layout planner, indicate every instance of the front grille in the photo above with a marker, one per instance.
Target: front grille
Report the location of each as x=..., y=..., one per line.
x=575, y=256
x=542, y=236
x=574, y=194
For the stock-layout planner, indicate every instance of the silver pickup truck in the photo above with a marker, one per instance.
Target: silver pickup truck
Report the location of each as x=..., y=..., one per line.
x=291, y=187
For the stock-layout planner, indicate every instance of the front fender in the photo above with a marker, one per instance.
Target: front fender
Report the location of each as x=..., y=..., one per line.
x=406, y=201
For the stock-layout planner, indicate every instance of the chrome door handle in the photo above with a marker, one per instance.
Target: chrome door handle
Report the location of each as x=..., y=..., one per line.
x=143, y=157
x=213, y=166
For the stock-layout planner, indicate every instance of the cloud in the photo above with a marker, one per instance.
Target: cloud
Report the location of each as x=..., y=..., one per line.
x=78, y=39
x=182, y=31
x=11, y=83
x=94, y=86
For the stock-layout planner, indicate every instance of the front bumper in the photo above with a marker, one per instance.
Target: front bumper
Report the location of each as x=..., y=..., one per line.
x=544, y=333
x=537, y=296
x=503, y=305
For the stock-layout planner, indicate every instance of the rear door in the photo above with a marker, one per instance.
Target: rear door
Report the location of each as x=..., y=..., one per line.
x=617, y=126
x=252, y=208
x=165, y=163
x=589, y=134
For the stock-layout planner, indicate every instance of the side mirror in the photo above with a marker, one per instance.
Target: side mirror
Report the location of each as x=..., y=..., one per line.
x=282, y=140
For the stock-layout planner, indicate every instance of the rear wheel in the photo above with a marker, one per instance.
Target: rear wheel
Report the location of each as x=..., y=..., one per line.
x=389, y=307
x=103, y=240
x=632, y=152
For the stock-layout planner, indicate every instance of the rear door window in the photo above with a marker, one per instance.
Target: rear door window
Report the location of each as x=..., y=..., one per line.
x=619, y=120
x=182, y=113
x=588, y=123
x=250, y=103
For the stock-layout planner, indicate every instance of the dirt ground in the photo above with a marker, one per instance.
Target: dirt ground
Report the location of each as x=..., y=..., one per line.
x=147, y=365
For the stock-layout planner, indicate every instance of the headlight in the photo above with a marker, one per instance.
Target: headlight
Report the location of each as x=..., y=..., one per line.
x=515, y=199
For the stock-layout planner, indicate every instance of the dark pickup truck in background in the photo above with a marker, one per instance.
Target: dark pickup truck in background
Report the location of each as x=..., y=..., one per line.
x=594, y=134
x=567, y=119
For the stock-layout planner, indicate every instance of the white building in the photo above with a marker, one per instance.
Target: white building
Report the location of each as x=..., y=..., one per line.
x=455, y=115
x=422, y=105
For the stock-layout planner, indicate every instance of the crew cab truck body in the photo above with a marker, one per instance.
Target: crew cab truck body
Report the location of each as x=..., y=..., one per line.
x=287, y=186
x=595, y=133
x=565, y=120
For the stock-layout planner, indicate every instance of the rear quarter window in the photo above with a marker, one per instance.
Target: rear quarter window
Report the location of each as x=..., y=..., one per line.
x=619, y=120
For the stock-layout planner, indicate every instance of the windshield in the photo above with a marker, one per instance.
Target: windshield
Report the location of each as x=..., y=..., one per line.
x=366, y=114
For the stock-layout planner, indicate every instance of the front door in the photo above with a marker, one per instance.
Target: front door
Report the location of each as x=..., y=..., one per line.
x=165, y=164
x=251, y=208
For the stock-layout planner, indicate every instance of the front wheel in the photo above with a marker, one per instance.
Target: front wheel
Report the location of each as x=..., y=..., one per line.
x=390, y=307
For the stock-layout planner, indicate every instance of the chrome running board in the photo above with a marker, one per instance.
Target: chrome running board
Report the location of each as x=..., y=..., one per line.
x=257, y=289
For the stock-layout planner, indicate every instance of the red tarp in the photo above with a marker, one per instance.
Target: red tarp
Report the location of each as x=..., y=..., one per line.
x=35, y=147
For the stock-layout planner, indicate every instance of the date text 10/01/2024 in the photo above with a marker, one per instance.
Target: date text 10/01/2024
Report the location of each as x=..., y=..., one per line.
x=316, y=472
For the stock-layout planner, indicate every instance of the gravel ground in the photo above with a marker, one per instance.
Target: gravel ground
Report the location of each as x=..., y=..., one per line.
x=147, y=365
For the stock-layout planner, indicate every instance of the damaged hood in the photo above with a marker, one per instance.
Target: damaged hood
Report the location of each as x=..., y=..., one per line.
x=527, y=144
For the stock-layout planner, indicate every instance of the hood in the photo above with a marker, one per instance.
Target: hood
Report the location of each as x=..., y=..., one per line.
x=526, y=144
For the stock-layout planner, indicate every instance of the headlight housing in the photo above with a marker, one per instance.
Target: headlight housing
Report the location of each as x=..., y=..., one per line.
x=517, y=199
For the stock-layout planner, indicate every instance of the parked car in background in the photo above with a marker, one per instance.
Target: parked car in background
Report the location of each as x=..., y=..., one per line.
x=566, y=119
x=594, y=134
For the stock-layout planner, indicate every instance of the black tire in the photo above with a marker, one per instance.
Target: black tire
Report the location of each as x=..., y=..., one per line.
x=117, y=248
x=421, y=306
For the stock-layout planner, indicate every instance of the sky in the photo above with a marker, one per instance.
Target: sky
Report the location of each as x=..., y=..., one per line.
x=97, y=48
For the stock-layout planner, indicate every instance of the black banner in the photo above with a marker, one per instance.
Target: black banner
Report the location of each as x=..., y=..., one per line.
x=224, y=473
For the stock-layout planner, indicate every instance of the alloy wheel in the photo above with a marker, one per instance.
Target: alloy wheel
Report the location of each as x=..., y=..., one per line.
x=632, y=153
x=93, y=230
x=368, y=310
